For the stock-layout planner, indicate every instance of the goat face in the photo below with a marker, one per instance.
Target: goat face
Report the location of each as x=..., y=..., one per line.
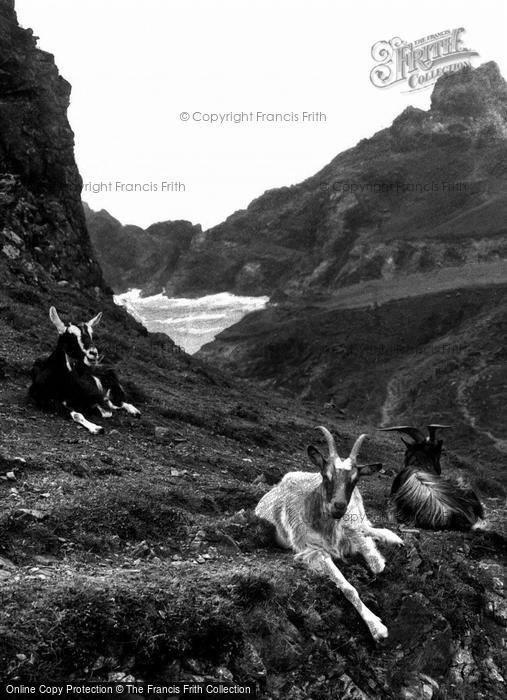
x=339, y=477
x=424, y=454
x=76, y=340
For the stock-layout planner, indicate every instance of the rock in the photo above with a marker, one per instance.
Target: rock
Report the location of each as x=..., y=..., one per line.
x=141, y=550
x=45, y=559
x=464, y=669
x=162, y=433
x=43, y=238
x=194, y=666
x=10, y=251
x=31, y=513
x=424, y=634
x=350, y=691
x=223, y=674
x=120, y=677
x=421, y=687
x=7, y=564
x=240, y=517
x=495, y=607
x=133, y=257
x=282, y=648
x=249, y=664
x=261, y=479
x=178, y=472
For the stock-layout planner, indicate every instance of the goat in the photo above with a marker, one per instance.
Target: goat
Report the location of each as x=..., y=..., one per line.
x=421, y=496
x=321, y=517
x=73, y=380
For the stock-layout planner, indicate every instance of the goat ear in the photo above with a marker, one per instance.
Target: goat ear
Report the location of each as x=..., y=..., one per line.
x=367, y=469
x=95, y=320
x=316, y=458
x=56, y=320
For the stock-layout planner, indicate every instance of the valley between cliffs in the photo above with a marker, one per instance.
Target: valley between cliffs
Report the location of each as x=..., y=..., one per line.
x=135, y=555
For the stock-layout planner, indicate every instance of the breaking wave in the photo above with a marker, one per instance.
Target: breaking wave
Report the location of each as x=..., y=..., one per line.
x=191, y=323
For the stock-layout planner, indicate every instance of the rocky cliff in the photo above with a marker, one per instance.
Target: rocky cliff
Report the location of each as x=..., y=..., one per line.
x=131, y=257
x=43, y=236
x=135, y=556
x=425, y=194
x=396, y=309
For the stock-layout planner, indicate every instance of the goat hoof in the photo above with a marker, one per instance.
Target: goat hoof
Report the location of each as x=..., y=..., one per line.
x=376, y=565
x=379, y=631
x=131, y=410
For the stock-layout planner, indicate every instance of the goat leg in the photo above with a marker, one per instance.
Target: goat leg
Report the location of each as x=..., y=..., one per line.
x=377, y=629
x=128, y=407
x=386, y=536
x=81, y=420
x=376, y=562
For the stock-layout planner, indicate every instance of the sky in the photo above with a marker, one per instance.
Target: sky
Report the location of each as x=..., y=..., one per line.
x=136, y=65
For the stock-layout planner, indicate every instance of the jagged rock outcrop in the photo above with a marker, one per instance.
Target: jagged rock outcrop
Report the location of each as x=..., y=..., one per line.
x=427, y=193
x=43, y=237
x=132, y=257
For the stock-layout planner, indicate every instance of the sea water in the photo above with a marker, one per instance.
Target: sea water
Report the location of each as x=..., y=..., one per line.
x=191, y=323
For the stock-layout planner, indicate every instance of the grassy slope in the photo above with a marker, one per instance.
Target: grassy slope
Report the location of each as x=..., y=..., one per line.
x=138, y=554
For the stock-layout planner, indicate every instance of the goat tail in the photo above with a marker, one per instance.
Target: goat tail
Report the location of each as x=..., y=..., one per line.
x=429, y=501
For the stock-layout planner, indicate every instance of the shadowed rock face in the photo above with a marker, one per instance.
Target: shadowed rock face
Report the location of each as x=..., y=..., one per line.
x=43, y=236
x=428, y=192
x=133, y=257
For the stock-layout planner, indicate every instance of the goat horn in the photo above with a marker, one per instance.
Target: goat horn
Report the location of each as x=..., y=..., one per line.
x=416, y=434
x=331, y=445
x=432, y=430
x=357, y=446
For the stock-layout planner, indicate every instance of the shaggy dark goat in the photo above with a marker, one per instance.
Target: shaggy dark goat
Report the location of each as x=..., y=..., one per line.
x=421, y=496
x=72, y=380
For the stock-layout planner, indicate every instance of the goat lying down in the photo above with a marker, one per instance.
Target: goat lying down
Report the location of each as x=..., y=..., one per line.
x=72, y=380
x=321, y=517
x=421, y=496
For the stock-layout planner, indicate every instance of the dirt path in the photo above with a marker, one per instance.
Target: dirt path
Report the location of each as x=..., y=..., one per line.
x=451, y=278
x=462, y=402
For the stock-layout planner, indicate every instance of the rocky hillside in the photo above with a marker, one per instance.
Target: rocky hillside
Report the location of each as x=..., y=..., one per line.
x=43, y=235
x=401, y=312
x=440, y=356
x=427, y=193
x=132, y=257
x=135, y=555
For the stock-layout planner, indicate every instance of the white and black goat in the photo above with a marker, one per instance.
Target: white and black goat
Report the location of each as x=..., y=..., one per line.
x=73, y=381
x=421, y=496
x=321, y=517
